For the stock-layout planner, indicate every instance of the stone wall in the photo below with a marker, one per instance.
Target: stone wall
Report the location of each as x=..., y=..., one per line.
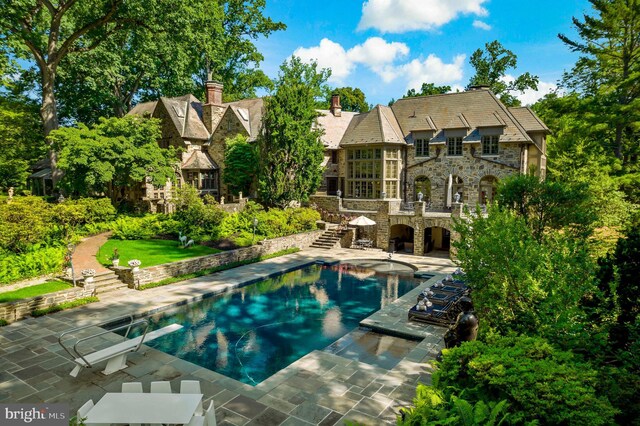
x=234, y=207
x=13, y=311
x=326, y=202
x=159, y=272
x=471, y=168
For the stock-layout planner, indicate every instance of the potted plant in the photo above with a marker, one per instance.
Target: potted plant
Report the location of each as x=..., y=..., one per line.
x=134, y=264
x=66, y=265
x=115, y=257
x=88, y=275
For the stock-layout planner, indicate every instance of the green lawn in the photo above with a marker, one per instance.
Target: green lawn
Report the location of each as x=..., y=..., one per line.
x=150, y=252
x=34, y=290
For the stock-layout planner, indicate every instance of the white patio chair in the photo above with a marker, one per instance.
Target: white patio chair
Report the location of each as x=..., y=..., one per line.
x=210, y=416
x=82, y=411
x=133, y=387
x=192, y=386
x=161, y=387
x=196, y=421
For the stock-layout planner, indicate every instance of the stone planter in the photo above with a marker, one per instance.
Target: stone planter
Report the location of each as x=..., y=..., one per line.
x=88, y=275
x=115, y=262
x=135, y=265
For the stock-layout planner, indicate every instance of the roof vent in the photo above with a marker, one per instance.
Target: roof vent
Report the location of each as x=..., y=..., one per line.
x=479, y=87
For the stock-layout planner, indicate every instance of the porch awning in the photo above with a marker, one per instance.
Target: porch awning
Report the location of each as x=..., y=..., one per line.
x=41, y=174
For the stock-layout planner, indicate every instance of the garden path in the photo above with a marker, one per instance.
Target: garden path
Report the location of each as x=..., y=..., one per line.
x=85, y=255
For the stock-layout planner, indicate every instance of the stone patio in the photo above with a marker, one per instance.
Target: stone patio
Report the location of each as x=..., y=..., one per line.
x=322, y=388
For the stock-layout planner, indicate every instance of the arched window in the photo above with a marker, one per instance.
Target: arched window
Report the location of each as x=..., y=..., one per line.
x=423, y=184
x=488, y=186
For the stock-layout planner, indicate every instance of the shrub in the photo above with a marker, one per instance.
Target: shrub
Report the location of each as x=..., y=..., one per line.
x=539, y=382
x=40, y=261
x=431, y=407
x=136, y=228
x=64, y=305
x=26, y=221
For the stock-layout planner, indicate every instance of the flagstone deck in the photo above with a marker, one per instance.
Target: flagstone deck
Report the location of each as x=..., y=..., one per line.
x=321, y=388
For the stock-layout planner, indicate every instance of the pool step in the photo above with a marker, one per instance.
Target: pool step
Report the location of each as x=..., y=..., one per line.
x=329, y=239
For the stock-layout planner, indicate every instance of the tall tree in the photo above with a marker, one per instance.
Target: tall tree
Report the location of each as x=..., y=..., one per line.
x=492, y=64
x=609, y=69
x=289, y=148
x=112, y=157
x=216, y=37
x=241, y=160
x=351, y=99
x=427, y=89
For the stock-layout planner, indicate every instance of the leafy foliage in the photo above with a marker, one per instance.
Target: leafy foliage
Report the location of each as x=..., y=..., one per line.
x=112, y=156
x=241, y=165
x=22, y=142
x=538, y=382
x=432, y=408
x=290, y=151
x=351, y=99
x=197, y=218
x=427, y=89
x=525, y=286
x=607, y=73
x=32, y=263
x=65, y=305
x=491, y=65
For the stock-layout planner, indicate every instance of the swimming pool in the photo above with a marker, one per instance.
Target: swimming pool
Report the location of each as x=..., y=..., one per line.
x=257, y=330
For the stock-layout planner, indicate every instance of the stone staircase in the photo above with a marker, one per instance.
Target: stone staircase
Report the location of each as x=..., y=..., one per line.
x=108, y=281
x=329, y=239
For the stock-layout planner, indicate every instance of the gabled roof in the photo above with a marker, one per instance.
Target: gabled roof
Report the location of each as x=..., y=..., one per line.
x=334, y=127
x=249, y=113
x=476, y=108
x=199, y=161
x=376, y=126
x=529, y=119
x=186, y=114
x=144, y=108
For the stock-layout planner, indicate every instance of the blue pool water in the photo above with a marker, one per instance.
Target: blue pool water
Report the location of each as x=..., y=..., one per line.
x=255, y=331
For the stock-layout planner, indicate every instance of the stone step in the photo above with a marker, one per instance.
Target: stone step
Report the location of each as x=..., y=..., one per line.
x=110, y=288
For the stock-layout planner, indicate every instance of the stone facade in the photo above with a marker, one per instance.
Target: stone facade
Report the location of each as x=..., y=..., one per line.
x=159, y=272
x=16, y=310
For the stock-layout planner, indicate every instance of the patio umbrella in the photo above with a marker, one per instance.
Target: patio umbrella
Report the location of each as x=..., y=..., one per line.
x=449, y=190
x=362, y=221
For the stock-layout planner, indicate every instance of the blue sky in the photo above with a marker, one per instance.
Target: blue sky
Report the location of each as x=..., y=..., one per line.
x=385, y=47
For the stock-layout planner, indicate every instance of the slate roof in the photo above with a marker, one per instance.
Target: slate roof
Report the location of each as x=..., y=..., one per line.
x=186, y=113
x=376, y=126
x=529, y=119
x=249, y=113
x=334, y=127
x=476, y=108
x=199, y=160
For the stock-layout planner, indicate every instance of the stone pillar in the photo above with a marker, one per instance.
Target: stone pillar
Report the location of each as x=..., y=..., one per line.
x=382, y=221
x=418, y=237
x=456, y=209
x=419, y=208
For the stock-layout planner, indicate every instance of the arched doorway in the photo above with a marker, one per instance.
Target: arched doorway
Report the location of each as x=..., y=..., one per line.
x=422, y=184
x=401, y=238
x=488, y=185
x=436, y=239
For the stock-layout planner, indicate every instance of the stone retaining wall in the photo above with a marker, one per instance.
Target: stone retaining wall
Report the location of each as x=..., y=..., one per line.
x=13, y=311
x=159, y=272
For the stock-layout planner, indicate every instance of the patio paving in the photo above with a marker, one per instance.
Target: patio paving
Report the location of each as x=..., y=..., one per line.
x=320, y=388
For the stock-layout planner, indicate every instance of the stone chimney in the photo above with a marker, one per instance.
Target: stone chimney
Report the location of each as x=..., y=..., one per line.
x=213, y=109
x=336, y=109
x=479, y=87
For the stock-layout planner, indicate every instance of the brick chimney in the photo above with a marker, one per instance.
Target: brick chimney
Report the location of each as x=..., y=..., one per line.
x=336, y=109
x=213, y=109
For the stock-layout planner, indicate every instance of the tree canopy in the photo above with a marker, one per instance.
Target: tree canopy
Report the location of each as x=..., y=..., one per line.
x=427, y=89
x=241, y=165
x=491, y=65
x=112, y=156
x=290, y=151
x=351, y=99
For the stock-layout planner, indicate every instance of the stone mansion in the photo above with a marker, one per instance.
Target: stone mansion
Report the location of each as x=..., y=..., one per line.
x=435, y=151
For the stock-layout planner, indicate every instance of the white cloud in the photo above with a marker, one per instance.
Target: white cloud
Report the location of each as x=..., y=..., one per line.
x=432, y=70
x=374, y=53
x=481, y=25
x=530, y=96
x=399, y=16
x=328, y=54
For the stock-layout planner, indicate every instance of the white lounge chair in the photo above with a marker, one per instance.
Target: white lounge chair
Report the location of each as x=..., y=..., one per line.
x=209, y=418
x=192, y=386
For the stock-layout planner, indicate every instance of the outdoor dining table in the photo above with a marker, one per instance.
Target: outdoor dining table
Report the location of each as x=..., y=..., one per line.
x=174, y=408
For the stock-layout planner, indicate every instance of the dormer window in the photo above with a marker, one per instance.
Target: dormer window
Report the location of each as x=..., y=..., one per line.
x=422, y=147
x=490, y=144
x=454, y=146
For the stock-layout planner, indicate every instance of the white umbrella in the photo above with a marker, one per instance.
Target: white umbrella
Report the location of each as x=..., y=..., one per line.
x=362, y=221
x=449, y=190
